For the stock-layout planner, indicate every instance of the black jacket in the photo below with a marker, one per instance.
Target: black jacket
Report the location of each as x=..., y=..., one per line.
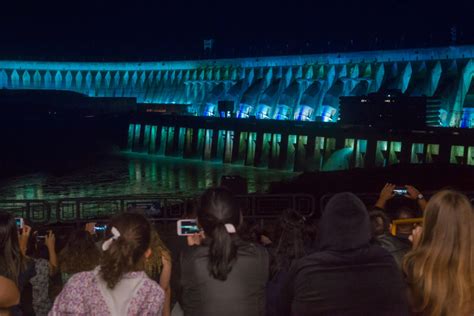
x=243, y=293
x=347, y=276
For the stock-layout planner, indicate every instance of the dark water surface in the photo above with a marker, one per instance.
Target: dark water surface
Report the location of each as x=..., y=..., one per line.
x=128, y=174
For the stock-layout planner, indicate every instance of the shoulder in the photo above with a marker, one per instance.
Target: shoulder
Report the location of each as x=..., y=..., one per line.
x=149, y=298
x=152, y=288
x=193, y=252
x=78, y=291
x=80, y=281
x=251, y=247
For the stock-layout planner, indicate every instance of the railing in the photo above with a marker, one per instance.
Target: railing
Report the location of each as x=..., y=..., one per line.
x=159, y=207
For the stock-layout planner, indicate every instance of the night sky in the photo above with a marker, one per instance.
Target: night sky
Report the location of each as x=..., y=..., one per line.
x=164, y=30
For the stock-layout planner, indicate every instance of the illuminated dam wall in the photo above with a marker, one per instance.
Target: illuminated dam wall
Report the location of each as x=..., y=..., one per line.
x=305, y=87
x=297, y=146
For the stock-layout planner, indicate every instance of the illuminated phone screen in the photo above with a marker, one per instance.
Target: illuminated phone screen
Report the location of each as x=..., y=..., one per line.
x=19, y=222
x=100, y=228
x=187, y=227
x=400, y=191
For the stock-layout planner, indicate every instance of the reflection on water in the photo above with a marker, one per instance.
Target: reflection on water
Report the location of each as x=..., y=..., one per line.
x=134, y=174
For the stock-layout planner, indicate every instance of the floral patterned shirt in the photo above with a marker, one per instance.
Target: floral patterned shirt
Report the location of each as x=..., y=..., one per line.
x=85, y=294
x=40, y=285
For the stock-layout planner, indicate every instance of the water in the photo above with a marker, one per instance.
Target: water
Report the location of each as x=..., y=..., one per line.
x=128, y=174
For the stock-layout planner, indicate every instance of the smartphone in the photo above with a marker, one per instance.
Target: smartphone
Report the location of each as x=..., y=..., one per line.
x=187, y=227
x=20, y=223
x=100, y=227
x=41, y=235
x=400, y=191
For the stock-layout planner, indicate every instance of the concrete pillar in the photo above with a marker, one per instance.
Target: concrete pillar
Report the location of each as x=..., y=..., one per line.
x=236, y=147
x=257, y=162
x=228, y=146
x=370, y=153
x=189, y=142
x=300, y=153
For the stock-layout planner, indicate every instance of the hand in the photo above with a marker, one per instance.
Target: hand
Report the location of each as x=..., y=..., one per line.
x=385, y=195
x=264, y=240
x=195, y=239
x=412, y=192
x=23, y=238
x=415, y=236
x=50, y=240
x=90, y=228
x=387, y=192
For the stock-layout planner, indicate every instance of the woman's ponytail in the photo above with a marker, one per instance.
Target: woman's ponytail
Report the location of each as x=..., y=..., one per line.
x=219, y=215
x=124, y=252
x=223, y=252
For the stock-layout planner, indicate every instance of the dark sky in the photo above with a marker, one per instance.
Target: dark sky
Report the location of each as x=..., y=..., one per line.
x=151, y=30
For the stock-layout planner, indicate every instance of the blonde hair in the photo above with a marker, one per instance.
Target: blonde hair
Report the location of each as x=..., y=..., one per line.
x=440, y=269
x=154, y=264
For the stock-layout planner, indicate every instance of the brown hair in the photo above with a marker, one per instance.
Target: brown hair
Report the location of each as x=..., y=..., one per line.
x=12, y=261
x=126, y=253
x=79, y=245
x=440, y=270
x=154, y=264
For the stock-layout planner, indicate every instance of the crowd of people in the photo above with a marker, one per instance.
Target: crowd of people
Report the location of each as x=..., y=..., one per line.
x=352, y=260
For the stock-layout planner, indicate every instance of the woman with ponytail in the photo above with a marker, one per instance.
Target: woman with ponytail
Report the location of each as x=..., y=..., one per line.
x=223, y=275
x=119, y=285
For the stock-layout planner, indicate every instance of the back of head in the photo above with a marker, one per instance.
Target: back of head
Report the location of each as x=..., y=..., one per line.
x=344, y=223
x=154, y=264
x=291, y=241
x=219, y=208
x=440, y=270
x=11, y=257
x=79, y=245
x=126, y=250
x=380, y=223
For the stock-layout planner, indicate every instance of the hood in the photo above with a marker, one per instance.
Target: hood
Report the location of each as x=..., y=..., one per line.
x=344, y=224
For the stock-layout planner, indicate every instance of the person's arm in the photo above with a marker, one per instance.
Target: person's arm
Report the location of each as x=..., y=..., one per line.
x=165, y=283
x=9, y=294
x=414, y=194
x=53, y=259
x=23, y=239
x=385, y=195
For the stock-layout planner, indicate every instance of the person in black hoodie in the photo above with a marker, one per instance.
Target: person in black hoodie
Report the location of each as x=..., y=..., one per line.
x=347, y=275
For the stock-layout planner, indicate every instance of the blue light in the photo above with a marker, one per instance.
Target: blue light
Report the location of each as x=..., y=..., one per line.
x=282, y=112
x=209, y=109
x=244, y=110
x=304, y=113
x=263, y=111
x=247, y=79
x=328, y=113
x=467, y=118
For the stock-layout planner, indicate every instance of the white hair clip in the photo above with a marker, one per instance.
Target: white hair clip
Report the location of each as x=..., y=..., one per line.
x=230, y=228
x=108, y=242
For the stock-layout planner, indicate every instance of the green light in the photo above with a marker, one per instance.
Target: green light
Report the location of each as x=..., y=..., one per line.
x=457, y=155
x=146, y=140
x=131, y=129
x=154, y=130
x=136, y=140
